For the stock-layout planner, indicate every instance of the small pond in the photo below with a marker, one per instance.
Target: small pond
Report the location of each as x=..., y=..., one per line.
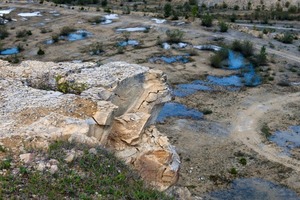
x=133, y=29
x=10, y=51
x=31, y=14
x=5, y=12
x=253, y=189
x=171, y=59
x=288, y=139
x=78, y=35
x=172, y=109
x=128, y=43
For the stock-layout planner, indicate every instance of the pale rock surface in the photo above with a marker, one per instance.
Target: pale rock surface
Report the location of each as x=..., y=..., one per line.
x=27, y=157
x=116, y=109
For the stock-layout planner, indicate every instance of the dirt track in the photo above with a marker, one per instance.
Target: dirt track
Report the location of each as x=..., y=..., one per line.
x=246, y=129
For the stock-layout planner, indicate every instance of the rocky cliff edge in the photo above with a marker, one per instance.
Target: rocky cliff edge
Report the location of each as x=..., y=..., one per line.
x=114, y=105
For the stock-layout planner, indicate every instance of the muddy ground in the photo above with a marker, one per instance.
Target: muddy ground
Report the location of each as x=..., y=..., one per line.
x=210, y=149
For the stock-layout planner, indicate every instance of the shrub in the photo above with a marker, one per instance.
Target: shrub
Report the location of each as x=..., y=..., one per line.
x=66, y=30
x=262, y=56
x=40, y=52
x=23, y=33
x=3, y=32
x=167, y=10
x=223, y=26
x=233, y=171
x=287, y=38
x=55, y=38
x=232, y=17
x=245, y=47
x=207, y=20
x=206, y=111
x=96, y=49
x=175, y=35
x=265, y=130
x=243, y=161
x=216, y=60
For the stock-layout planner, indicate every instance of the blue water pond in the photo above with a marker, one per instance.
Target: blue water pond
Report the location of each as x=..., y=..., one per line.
x=172, y=109
x=253, y=188
x=10, y=51
x=287, y=139
x=128, y=43
x=235, y=60
x=78, y=35
x=171, y=59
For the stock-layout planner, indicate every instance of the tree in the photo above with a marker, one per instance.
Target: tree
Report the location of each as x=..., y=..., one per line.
x=194, y=11
x=262, y=56
x=167, y=10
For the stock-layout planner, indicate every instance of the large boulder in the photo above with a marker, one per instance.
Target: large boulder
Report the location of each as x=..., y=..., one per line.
x=114, y=105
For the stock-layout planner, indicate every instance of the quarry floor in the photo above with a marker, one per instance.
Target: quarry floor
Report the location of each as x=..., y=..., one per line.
x=208, y=148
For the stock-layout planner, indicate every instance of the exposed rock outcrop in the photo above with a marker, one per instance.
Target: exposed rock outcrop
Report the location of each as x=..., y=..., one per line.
x=114, y=105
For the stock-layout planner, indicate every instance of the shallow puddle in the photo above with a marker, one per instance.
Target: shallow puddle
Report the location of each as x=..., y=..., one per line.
x=78, y=35
x=183, y=90
x=128, y=43
x=31, y=14
x=133, y=29
x=10, y=51
x=253, y=189
x=172, y=109
x=171, y=59
x=288, y=139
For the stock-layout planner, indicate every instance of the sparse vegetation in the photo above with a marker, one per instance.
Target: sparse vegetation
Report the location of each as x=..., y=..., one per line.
x=23, y=33
x=287, y=38
x=223, y=26
x=265, y=130
x=216, y=60
x=207, y=20
x=98, y=175
x=245, y=47
x=3, y=32
x=167, y=10
x=66, y=30
x=69, y=87
x=174, y=35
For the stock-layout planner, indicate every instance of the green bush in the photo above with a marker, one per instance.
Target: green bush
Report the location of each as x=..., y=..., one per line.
x=216, y=60
x=3, y=32
x=23, y=33
x=243, y=161
x=207, y=20
x=262, y=56
x=287, y=38
x=175, y=35
x=66, y=30
x=167, y=10
x=245, y=47
x=223, y=26
x=265, y=130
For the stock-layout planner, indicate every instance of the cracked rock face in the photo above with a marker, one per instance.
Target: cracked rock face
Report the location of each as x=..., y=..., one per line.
x=115, y=106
